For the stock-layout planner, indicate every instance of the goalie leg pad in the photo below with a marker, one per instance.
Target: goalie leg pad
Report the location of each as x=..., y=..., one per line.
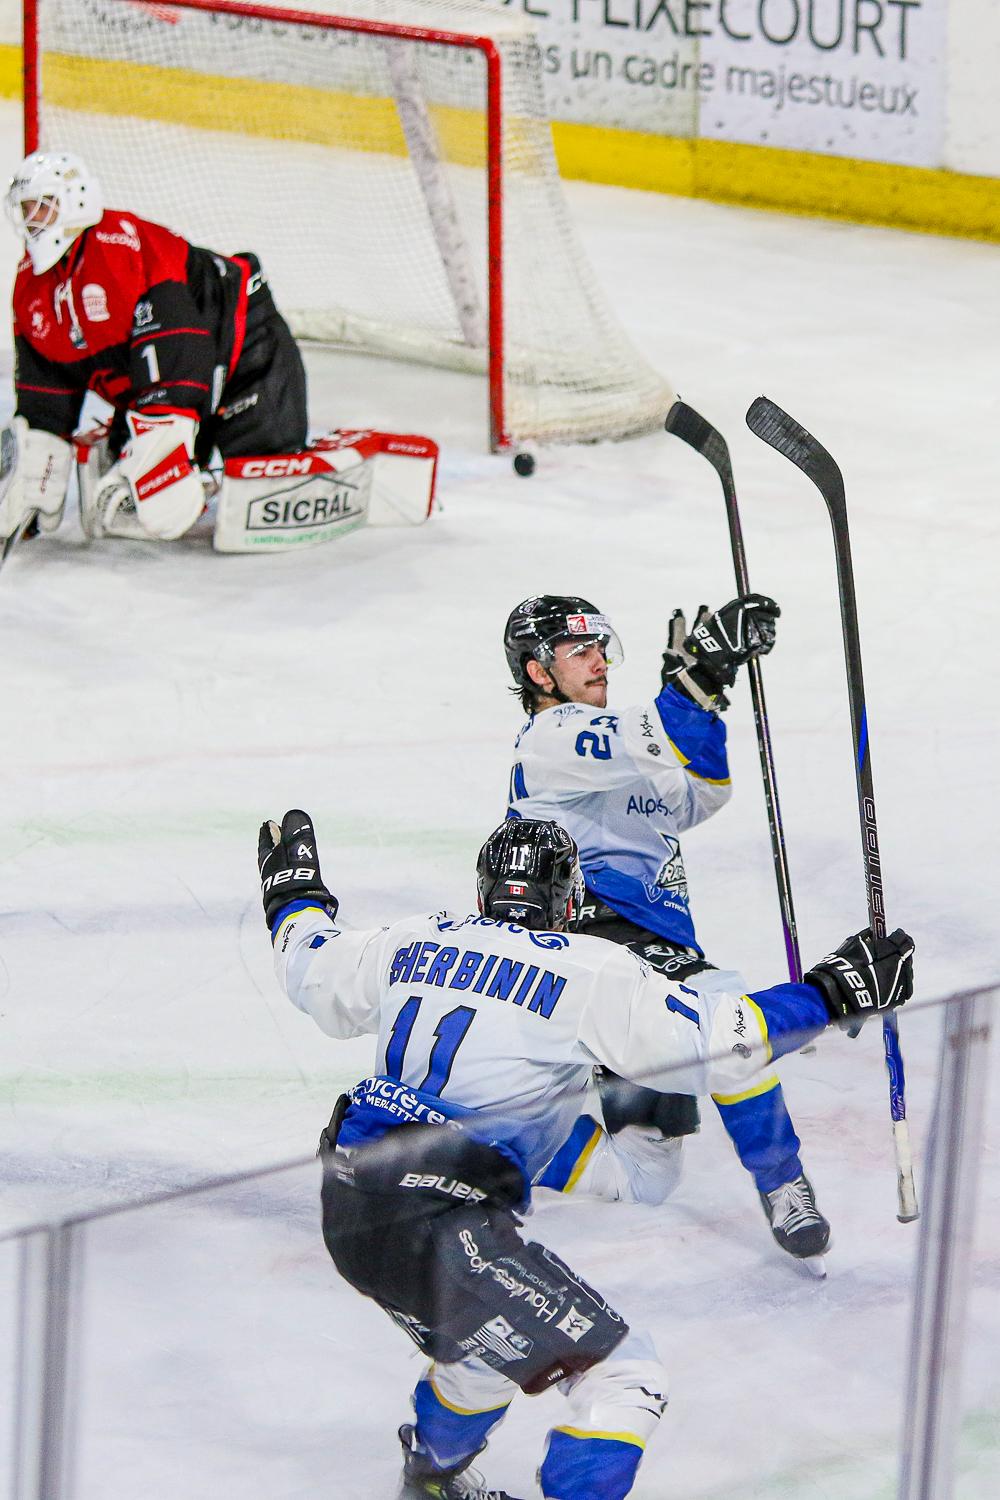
x=340, y=482
x=94, y=460
x=34, y=476
x=286, y=500
x=153, y=492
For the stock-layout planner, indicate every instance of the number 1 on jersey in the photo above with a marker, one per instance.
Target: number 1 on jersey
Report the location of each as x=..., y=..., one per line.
x=449, y=1033
x=152, y=363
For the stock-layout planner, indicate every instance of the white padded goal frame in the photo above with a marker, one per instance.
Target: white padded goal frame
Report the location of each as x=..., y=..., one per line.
x=547, y=381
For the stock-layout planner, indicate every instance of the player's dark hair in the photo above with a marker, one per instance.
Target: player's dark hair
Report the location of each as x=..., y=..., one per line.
x=528, y=696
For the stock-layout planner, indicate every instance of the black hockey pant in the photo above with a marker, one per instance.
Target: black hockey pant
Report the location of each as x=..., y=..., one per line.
x=263, y=404
x=459, y=1278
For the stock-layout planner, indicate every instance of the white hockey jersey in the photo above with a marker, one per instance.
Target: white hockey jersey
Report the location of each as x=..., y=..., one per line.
x=625, y=786
x=484, y=1019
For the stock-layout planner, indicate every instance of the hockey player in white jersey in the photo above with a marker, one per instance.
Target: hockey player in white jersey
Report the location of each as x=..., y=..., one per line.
x=627, y=785
x=488, y=1027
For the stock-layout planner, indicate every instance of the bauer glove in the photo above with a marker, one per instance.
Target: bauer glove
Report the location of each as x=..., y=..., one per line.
x=865, y=974
x=703, y=663
x=289, y=867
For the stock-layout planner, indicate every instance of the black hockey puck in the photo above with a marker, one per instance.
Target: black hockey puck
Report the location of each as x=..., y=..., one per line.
x=524, y=464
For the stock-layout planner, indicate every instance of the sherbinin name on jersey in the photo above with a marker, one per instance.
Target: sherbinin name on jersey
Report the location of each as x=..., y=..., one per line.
x=315, y=501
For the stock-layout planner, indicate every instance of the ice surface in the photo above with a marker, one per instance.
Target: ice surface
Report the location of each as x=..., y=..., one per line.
x=160, y=701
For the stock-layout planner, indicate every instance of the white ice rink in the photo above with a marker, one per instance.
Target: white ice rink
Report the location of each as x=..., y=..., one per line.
x=158, y=701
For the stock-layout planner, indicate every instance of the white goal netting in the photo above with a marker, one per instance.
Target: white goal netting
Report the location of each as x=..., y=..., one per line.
x=356, y=166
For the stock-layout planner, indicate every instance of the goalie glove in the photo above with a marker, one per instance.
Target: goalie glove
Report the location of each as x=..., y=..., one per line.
x=705, y=662
x=153, y=491
x=289, y=867
x=864, y=975
x=34, y=476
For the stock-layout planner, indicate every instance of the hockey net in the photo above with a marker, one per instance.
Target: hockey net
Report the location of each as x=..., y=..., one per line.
x=392, y=165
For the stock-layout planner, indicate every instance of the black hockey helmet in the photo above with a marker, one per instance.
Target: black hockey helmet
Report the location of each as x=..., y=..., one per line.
x=536, y=627
x=528, y=872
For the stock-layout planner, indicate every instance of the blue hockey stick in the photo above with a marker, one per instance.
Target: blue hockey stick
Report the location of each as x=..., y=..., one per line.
x=776, y=428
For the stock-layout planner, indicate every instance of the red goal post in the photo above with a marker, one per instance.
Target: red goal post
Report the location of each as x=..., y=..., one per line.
x=395, y=173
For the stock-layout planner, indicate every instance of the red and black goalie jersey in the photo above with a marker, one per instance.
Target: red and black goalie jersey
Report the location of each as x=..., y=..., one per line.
x=134, y=313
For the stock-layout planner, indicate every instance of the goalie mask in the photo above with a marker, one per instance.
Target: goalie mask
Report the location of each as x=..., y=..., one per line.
x=528, y=872
x=537, y=626
x=51, y=200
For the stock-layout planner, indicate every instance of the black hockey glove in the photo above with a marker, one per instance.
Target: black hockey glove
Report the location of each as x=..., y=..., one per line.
x=678, y=663
x=289, y=866
x=866, y=974
x=703, y=663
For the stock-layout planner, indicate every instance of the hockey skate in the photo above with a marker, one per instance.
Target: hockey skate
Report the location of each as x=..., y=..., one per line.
x=421, y=1477
x=796, y=1222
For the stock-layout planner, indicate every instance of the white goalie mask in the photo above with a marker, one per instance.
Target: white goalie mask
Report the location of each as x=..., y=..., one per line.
x=51, y=200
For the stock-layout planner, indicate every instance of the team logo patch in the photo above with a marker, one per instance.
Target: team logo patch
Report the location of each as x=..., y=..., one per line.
x=587, y=625
x=126, y=235
x=501, y=1338
x=143, y=313
x=40, y=325
x=671, y=875
x=575, y=1324
x=95, y=302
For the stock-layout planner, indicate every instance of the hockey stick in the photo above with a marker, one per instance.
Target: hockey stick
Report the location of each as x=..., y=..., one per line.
x=692, y=428
x=27, y=528
x=775, y=427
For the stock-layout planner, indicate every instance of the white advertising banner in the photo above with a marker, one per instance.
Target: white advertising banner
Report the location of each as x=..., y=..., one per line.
x=862, y=78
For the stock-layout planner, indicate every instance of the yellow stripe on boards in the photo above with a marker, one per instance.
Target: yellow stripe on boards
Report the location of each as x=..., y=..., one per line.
x=11, y=71
x=801, y=182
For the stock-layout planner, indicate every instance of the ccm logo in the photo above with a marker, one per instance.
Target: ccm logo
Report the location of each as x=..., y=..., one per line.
x=275, y=468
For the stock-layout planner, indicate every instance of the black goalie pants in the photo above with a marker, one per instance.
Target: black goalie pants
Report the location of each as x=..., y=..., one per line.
x=263, y=404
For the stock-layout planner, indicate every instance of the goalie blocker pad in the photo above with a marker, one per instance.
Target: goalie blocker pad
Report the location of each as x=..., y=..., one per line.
x=340, y=482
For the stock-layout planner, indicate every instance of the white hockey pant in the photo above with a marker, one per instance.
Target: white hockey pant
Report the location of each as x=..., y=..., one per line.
x=613, y=1411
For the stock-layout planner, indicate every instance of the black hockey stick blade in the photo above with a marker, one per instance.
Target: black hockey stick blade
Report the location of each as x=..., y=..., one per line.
x=692, y=428
x=781, y=432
